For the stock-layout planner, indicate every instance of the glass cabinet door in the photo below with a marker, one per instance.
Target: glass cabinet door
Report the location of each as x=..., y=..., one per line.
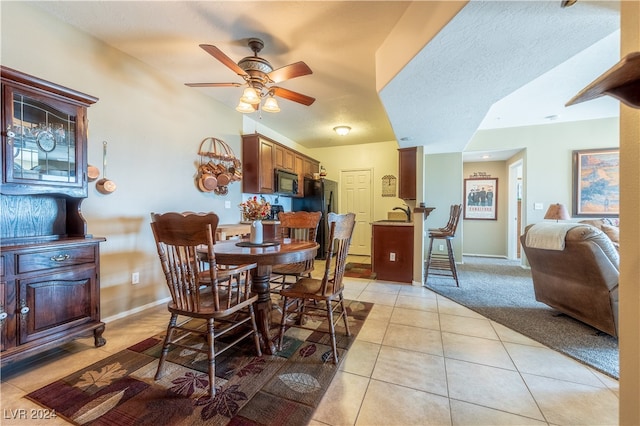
x=43, y=146
x=41, y=137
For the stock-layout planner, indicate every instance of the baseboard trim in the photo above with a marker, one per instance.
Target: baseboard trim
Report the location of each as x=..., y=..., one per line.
x=135, y=310
x=485, y=255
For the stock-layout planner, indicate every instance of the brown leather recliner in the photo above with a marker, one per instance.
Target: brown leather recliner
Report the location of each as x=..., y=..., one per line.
x=582, y=279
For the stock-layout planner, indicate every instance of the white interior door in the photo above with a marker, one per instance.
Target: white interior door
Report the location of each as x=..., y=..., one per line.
x=355, y=197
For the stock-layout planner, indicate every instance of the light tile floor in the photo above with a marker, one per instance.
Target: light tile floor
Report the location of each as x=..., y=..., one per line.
x=419, y=359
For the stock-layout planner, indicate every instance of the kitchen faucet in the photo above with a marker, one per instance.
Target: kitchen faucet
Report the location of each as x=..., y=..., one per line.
x=407, y=211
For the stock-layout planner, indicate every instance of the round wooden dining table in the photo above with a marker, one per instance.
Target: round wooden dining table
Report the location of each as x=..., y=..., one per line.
x=286, y=250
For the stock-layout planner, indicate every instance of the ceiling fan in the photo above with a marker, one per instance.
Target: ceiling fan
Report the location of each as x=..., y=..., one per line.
x=259, y=76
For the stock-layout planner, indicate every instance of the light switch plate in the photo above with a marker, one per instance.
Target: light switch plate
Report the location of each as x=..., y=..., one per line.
x=227, y=204
x=537, y=206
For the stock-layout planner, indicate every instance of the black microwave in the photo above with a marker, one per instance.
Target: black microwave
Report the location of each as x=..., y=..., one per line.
x=286, y=182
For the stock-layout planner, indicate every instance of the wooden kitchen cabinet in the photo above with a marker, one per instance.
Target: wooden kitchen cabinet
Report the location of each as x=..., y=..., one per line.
x=261, y=156
x=407, y=169
x=392, y=252
x=258, y=160
x=311, y=166
x=284, y=158
x=49, y=266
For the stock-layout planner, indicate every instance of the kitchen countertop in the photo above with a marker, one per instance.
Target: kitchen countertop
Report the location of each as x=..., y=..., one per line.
x=391, y=223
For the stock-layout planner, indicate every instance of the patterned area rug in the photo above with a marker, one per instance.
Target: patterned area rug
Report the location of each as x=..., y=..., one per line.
x=281, y=389
x=359, y=270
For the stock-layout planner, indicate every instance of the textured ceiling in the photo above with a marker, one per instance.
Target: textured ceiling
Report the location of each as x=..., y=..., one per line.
x=487, y=53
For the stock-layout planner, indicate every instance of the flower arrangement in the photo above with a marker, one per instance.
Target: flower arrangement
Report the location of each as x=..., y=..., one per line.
x=254, y=209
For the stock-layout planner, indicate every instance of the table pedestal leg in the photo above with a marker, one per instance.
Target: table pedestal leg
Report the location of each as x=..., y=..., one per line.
x=262, y=307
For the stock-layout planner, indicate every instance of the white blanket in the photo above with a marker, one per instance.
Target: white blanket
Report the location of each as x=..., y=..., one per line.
x=548, y=235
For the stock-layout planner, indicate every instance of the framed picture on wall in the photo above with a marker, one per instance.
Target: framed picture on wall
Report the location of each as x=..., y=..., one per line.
x=481, y=198
x=596, y=183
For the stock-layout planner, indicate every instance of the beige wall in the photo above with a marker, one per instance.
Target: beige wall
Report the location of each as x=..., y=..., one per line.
x=443, y=187
x=381, y=158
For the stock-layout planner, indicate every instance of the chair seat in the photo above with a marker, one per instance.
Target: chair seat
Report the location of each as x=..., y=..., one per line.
x=309, y=288
x=441, y=235
x=292, y=269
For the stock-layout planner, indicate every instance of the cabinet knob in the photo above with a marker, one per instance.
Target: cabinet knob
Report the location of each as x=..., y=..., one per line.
x=24, y=310
x=3, y=316
x=60, y=258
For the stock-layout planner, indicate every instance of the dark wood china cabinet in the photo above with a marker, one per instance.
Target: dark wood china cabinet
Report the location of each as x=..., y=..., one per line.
x=49, y=265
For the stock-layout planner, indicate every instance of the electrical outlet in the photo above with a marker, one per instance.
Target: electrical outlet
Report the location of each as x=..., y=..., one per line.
x=227, y=204
x=135, y=278
x=392, y=257
x=441, y=247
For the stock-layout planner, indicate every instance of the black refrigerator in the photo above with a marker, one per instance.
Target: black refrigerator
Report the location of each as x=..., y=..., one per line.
x=319, y=196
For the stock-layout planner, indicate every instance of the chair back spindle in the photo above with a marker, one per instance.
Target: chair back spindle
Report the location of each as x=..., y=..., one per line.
x=340, y=232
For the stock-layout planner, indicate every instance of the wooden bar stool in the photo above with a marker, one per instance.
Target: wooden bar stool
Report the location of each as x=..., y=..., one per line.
x=444, y=264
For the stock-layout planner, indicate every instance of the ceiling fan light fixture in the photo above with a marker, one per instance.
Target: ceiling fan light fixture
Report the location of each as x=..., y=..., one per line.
x=271, y=105
x=342, y=130
x=250, y=96
x=244, y=107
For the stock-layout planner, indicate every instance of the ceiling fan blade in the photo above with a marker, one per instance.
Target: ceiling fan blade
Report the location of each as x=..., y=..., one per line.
x=293, y=96
x=213, y=84
x=219, y=55
x=287, y=72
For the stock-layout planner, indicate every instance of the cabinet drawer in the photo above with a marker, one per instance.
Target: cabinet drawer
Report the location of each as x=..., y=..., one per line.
x=55, y=258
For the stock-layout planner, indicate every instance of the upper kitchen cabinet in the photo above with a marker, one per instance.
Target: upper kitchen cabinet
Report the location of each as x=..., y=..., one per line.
x=261, y=156
x=257, y=164
x=44, y=135
x=311, y=167
x=407, y=169
x=284, y=158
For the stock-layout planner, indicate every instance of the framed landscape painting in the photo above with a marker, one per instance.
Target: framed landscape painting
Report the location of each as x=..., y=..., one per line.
x=481, y=198
x=596, y=183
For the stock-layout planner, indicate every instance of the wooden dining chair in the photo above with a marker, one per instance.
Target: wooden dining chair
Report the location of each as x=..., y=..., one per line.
x=299, y=225
x=322, y=297
x=198, y=294
x=441, y=264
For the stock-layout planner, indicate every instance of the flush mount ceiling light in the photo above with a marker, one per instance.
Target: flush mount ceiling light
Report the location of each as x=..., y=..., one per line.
x=342, y=130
